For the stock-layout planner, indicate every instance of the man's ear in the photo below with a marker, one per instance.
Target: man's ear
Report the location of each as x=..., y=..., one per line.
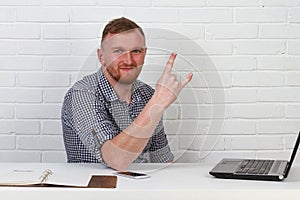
x=100, y=56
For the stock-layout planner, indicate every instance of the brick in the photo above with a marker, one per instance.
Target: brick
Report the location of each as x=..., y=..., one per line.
x=294, y=16
x=54, y=156
x=293, y=47
x=20, y=3
x=28, y=95
x=128, y=3
x=241, y=95
x=42, y=79
x=279, y=126
x=21, y=95
x=45, y=48
x=291, y=3
x=71, y=63
x=94, y=14
x=185, y=64
x=7, y=79
x=279, y=63
x=192, y=96
x=276, y=155
x=19, y=127
x=206, y=15
x=8, y=48
x=163, y=46
x=40, y=143
x=292, y=79
x=21, y=63
x=211, y=80
x=45, y=14
x=202, y=143
x=52, y=127
x=233, y=63
x=6, y=112
x=292, y=111
x=232, y=3
x=261, y=15
x=85, y=47
x=205, y=48
x=176, y=31
x=216, y=126
x=215, y=96
x=257, y=143
x=178, y=3
x=69, y=2
x=157, y=62
x=258, y=79
x=290, y=31
x=150, y=77
x=7, y=142
x=186, y=127
x=239, y=127
x=172, y=112
x=71, y=31
x=257, y=111
x=20, y=156
x=218, y=111
x=291, y=94
x=38, y=111
x=232, y=31
x=7, y=15
x=20, y=31
x=54, y=95
x=259, y=47
x=27, y=127
x=152, y=15
x=290, y=141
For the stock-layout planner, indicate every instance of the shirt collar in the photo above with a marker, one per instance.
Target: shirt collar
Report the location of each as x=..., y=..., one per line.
x=110, y=94
x=106, y=89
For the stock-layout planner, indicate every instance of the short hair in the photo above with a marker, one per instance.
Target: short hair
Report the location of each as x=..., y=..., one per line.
x=120, y=25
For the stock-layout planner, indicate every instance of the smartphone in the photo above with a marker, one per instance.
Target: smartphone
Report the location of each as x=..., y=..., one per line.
x=133, y=175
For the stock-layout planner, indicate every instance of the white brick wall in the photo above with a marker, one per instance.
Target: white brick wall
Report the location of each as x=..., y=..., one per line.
x=244, y=99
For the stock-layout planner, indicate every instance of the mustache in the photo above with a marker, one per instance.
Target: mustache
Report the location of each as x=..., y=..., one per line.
x=127, y=66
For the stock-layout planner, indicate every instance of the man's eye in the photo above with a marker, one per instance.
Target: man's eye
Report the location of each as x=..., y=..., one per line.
x=136, y=51
x=118, y=51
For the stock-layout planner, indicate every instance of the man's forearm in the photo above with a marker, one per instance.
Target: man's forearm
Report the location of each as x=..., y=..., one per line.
x=123, y=149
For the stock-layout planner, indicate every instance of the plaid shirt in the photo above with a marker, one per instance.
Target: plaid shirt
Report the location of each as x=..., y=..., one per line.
x=92, y=113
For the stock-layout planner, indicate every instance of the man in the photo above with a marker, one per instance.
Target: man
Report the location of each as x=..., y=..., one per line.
x=111, y=117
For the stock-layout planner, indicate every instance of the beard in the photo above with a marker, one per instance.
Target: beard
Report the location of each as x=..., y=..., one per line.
x=124, y=74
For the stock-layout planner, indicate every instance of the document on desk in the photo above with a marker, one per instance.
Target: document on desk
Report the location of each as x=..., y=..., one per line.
x=51, y=178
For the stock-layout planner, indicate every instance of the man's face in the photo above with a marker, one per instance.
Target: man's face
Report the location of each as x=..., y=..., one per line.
x=122, y=56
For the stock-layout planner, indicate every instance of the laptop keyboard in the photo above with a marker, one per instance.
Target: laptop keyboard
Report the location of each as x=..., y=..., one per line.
x=255, y=167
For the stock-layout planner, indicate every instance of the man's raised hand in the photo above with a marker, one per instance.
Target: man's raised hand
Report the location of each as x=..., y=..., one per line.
x=168, y=87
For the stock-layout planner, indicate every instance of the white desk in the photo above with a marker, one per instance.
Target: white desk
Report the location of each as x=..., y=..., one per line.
x=176, y=181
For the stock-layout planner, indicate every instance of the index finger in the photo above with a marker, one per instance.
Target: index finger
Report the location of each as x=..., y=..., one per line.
x=170, y=63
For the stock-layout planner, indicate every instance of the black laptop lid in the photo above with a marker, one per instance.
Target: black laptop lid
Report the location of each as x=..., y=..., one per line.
x=293, y=156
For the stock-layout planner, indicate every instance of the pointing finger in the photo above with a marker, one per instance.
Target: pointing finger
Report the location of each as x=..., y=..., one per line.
x=170, y=63
x=186, y=80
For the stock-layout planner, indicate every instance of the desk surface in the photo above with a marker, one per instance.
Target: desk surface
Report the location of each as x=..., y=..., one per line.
x=176, y=181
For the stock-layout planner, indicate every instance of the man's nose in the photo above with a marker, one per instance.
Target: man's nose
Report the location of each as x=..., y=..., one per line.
x=127, y=58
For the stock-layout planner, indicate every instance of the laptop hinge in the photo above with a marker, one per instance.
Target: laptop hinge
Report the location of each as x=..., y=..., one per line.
x=287, y=169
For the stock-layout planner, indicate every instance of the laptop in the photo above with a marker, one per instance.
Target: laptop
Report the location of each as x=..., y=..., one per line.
x=255, y=169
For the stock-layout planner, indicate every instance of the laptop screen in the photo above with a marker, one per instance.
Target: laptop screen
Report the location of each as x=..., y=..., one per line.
x=293, y=156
